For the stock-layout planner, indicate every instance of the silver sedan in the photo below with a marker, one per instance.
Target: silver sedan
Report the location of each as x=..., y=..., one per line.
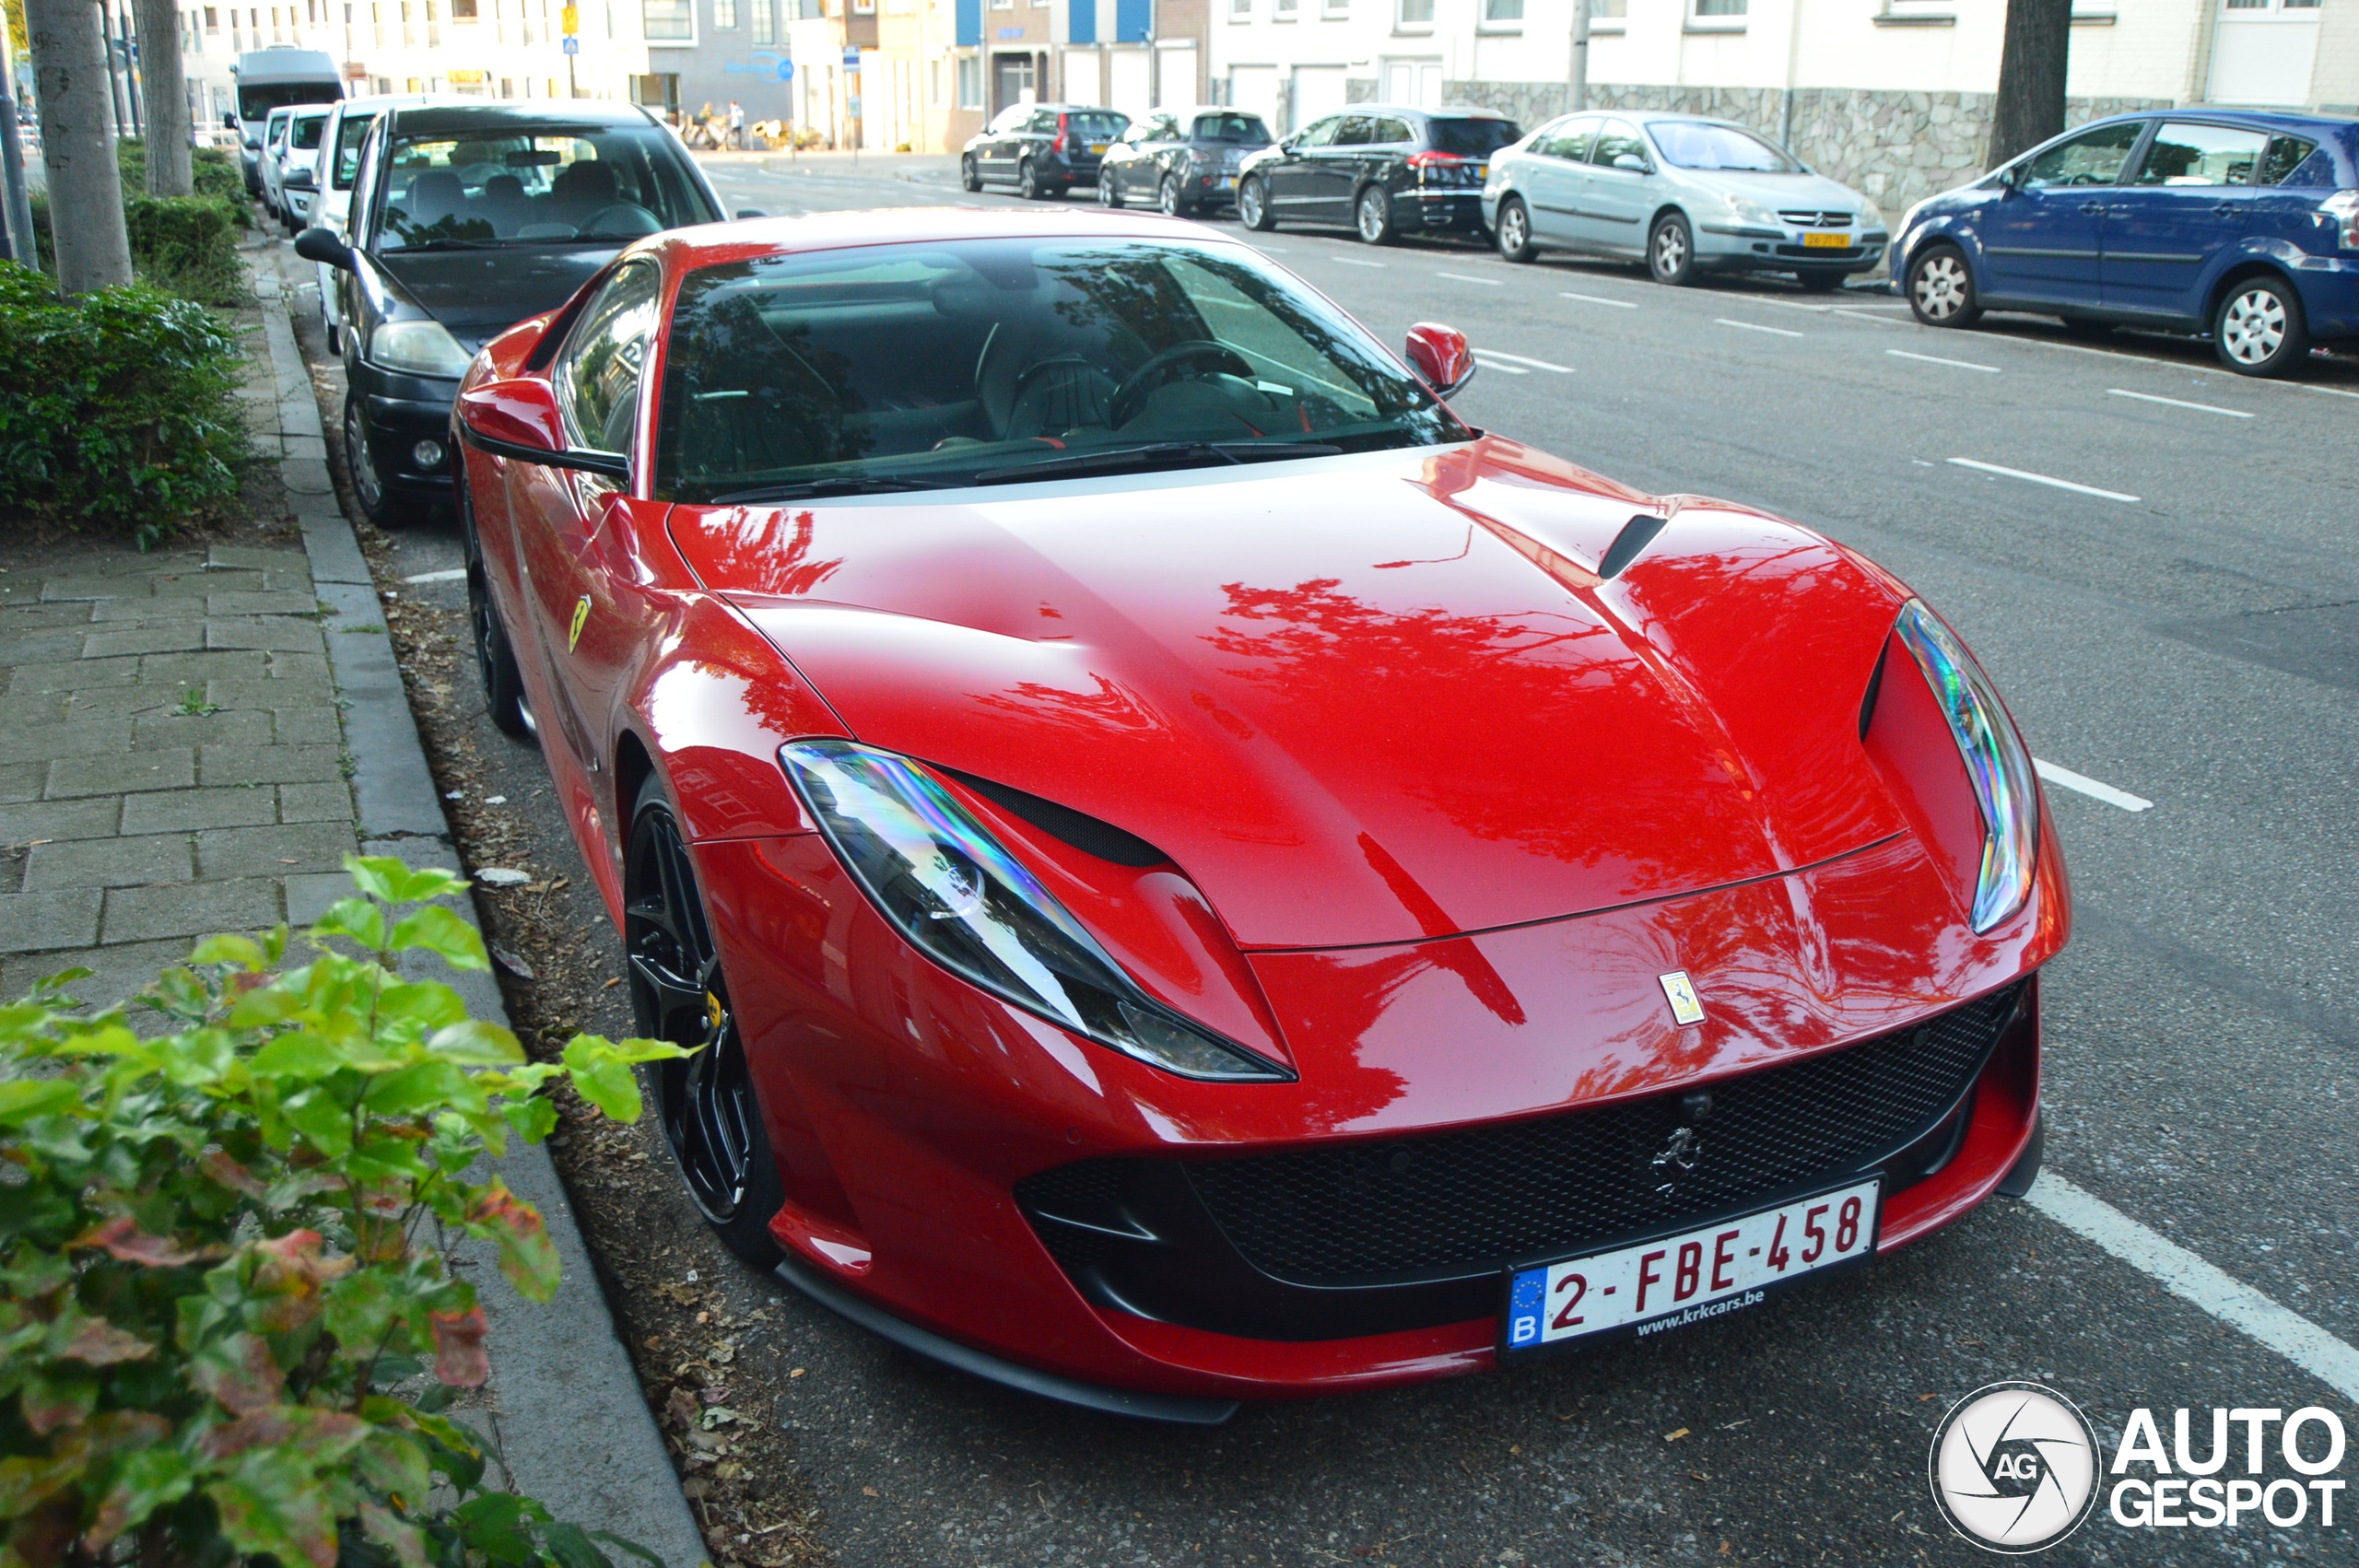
x=1684, y=194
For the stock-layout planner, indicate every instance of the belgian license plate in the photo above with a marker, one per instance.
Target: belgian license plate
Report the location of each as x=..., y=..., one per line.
x=1097, y=146
x=1657, y=1286
x=1823, y=242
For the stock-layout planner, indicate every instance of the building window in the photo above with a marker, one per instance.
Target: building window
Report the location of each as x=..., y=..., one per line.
x=970, y=81
x=1283, y=10
x=667, y=19
x=1721, y=8
x=724, y=14
x=1509, y=13
x=1417, y=15
x=765, y=21
x=1335, y=9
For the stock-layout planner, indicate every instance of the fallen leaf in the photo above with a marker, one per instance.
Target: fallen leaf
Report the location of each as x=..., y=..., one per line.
x=796, y=1373
x=868, y=1492
x=1675, y=1437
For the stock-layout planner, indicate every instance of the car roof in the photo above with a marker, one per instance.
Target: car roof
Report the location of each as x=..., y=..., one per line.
x=1068, y=107
x=1416, y=112
x=2259, y=119
x=706, y=244
x=431, y=116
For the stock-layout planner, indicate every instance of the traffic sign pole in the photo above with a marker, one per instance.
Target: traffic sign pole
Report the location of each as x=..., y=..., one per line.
x=569, y=23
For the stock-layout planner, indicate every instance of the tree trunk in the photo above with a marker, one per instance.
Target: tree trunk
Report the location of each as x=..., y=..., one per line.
x=84, y=186
x=170, y=171
x=2031, y=76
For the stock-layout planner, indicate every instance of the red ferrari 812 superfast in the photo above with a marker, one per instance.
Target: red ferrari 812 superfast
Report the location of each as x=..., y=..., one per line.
x=1197, y=874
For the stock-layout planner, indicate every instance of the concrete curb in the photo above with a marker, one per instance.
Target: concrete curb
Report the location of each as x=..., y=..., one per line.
x=567, y=1409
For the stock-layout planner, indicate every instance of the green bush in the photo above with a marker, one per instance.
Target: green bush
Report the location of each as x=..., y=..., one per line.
x=215, y=171
x=186, y=245
x=121, y=407
x=216, y=1262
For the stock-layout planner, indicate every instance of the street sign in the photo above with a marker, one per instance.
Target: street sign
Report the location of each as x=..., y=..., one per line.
x=786, y=70
x=570, y=19
x=572, y=46
x=852, y=58
x=855, y=106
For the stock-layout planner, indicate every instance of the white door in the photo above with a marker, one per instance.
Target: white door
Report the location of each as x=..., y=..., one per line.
x=1255, y=89
x=1417, y=83
x=1318, y=92
x=2262, y=52
x=1133, y=93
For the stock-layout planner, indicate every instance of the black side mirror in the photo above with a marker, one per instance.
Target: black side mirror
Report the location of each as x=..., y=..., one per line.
x=322, y=245
x=744, y=213
x=228, y=122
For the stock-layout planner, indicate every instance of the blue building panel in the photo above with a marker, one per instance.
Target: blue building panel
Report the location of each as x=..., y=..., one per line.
x=1084, y=23
x=1133, y=21
x=970, y=22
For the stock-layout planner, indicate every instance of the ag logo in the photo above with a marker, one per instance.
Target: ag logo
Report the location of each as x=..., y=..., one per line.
x=2014, y=1468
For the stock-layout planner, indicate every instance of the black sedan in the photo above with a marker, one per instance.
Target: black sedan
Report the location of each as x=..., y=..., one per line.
x=1383, y=169
x=1042, y=150
x=1183, y=160
x=466, y=219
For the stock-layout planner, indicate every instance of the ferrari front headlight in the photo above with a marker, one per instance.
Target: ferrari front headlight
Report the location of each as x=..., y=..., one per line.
x=960, y=898
x=1996, y=762
x=417, y=348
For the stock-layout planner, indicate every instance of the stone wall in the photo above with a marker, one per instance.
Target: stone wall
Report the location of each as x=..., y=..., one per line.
x=1895, y=147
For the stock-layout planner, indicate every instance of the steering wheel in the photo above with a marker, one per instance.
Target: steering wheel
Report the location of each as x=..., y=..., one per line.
x=1124, y=406
x=632, y=220
x=1035, y=371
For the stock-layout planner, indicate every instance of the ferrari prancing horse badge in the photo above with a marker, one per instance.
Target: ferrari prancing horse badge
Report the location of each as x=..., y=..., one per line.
x=1679, y=992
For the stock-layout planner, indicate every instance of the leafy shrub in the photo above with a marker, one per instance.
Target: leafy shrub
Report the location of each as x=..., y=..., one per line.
x=121, y=406
x=186, y=245
x=216, y=173
x=215, y=1258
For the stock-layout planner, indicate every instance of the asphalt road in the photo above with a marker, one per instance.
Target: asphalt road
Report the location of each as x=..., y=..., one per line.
x=2184, y=629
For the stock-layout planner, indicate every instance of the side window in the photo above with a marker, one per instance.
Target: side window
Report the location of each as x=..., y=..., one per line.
x=1391, y=131
x=1043, y=123
x=2291, y=160
x=1569, y=140
x=598, y=370
x=1321, y=133
x=1353, y=131
x=2183, y=153
x=2093, y=158
x=1162, y=128
x=1617, y=139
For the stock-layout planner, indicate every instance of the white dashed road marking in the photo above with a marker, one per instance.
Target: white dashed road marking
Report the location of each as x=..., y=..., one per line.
x=2178, y=403
x=2042, y=479
x=1468, y=278
x=1355, y=262
x=1937, y=359
x=1756, y=326
x=456, y=574
x=2087, y=786
x=2192, y=1279
x=1601, y=300
x=1525, y=359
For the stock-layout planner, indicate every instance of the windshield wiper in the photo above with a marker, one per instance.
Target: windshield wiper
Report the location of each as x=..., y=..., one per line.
x=446, y=242
x=811, y=488
x=1158, y=454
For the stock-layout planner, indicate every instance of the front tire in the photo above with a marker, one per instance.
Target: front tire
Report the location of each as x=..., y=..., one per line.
x=1671, y=250
x=1515, y=231
x=2259, y=329
x=1109, y=189
x=1253, y=207
x=1372, y=216
x=1941, y=289
x=378, y=503
x=709, y=1111
x=970, y=177
x=1170, y=200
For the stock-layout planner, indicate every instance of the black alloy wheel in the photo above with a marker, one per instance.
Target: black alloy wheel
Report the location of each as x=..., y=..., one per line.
x=1515, y=231
x=710, y=1112
x=1171, y=199
x=1253, y=206
x=1029, y=184
x=378, y=504
x=1941, y=289
x=2259, y=329
x=1671, y=250
x=503, y=682
x=969, y=176
x=1372, y=216
x=1109, y=186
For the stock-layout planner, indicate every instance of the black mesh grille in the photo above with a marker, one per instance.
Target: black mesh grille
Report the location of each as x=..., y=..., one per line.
x=1478, y=1199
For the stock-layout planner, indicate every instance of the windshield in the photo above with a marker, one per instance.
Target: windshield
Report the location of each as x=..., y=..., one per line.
x=1474, y=138
x=534, y=185
x=255, y=103
x=1691, y=146
x=305, y=134
x=1242, y=130
x=932, y=364
x=351, y=131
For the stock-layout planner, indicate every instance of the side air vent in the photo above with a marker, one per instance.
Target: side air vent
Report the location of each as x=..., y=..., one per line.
x=1084, y=832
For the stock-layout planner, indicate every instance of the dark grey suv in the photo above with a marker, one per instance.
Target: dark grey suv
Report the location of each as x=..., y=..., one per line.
x=1183, y=160
x=1384, y=168
x=1043, y=149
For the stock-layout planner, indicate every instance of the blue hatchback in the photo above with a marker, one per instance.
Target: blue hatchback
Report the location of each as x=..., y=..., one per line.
x=2245, y=226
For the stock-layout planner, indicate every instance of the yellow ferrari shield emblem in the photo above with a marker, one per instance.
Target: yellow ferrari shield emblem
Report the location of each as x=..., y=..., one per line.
x=1680, y=991
x=581, y=619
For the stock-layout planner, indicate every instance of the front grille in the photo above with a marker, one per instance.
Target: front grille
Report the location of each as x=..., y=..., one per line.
x=1460, y=1202
x=1811, y=218
x=1827, y=253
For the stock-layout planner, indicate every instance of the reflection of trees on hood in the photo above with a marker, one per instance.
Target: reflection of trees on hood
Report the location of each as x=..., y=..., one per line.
x=1431, y=687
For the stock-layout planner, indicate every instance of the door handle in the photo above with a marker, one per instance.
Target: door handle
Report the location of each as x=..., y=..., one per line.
x=2229, y=209
x=2091, y=209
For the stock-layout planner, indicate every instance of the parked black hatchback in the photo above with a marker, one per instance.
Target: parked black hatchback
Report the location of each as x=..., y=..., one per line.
x=466, y=219
x=1384, y=168
x=1042, y=150
x=1183, y=160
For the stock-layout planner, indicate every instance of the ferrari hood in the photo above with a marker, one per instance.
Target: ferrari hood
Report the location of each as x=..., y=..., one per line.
x=1358, y=700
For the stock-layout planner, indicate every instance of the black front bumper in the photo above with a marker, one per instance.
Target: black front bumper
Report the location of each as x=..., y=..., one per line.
x=398, y=411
